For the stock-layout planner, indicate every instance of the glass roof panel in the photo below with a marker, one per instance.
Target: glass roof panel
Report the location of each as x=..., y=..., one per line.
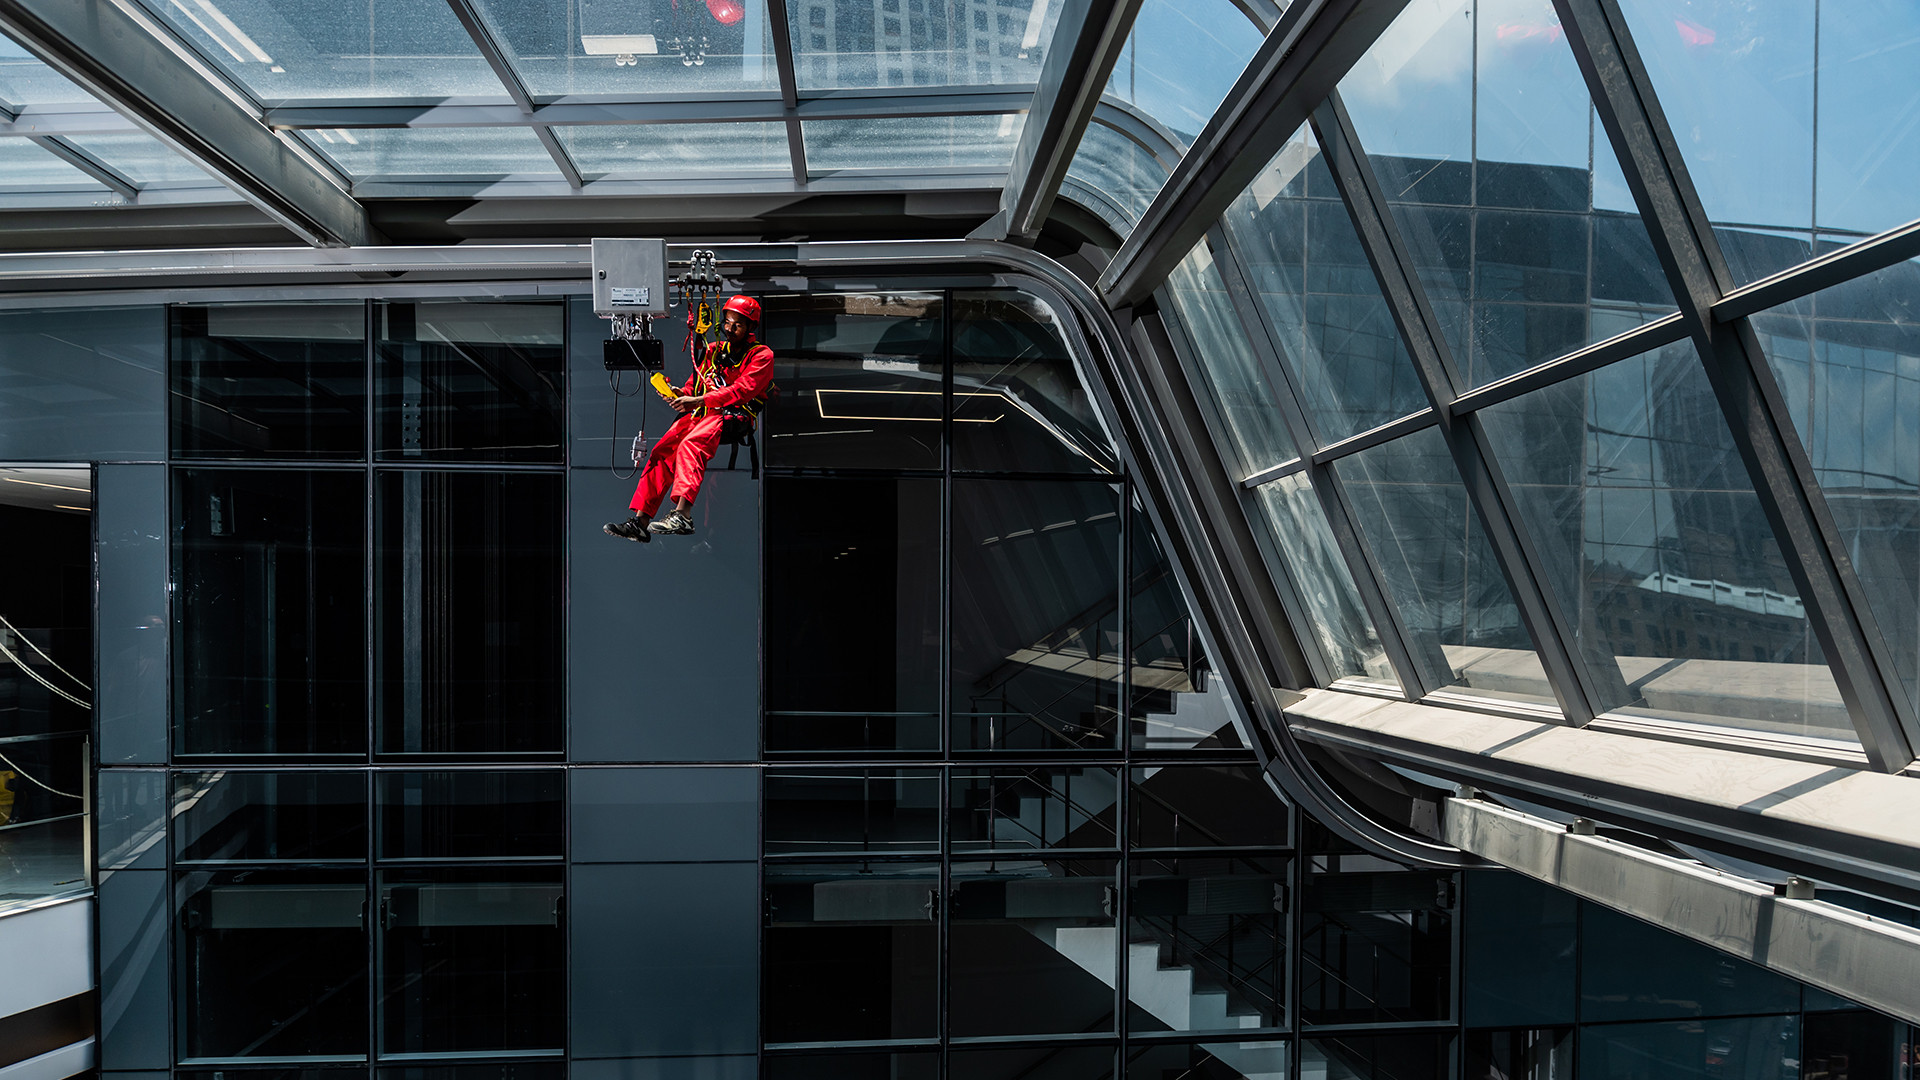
x=1119, y=170
x=1476, y=119
x=918, y=42
x=913, y=142
x=678, y=150
x=139, y=157
x=1181, y=59
x=287, y=51
x=25, y=80
x=481, y=153
x=563, y=47
x=24, y=164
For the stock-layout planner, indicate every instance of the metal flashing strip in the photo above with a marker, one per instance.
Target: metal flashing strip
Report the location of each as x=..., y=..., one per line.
x=1872, y=961
x=1856, y=827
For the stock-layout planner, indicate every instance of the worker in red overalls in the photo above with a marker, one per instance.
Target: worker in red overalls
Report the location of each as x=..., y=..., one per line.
x=718, y=403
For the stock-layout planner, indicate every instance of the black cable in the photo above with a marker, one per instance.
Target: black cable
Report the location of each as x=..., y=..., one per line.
x=613, y=381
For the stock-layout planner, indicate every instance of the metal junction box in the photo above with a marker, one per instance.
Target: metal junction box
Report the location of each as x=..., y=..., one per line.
x=629, y=277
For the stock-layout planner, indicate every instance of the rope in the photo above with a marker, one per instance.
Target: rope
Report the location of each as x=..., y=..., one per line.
x=43, y=656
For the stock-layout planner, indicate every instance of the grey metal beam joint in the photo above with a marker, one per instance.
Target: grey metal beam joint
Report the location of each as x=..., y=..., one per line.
x=1743, y=382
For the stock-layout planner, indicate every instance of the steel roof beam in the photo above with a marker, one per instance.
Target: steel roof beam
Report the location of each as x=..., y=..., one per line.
x=88, y=164
x=502, y=66
x=1301, y=61
x=121, y=56
x=1086, y=42
x=789, y=85
x=838, y=106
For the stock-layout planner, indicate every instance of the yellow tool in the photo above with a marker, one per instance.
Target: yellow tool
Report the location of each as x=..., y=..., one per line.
x=662, y=387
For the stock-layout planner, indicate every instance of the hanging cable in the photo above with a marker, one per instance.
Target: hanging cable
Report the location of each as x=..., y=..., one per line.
x=613, y=440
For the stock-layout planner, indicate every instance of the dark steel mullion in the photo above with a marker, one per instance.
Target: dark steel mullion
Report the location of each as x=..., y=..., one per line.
x=1417, y=678
x=1577, y=687
x=561, y=159
x=777, y=22
x=1641, y=339
x=1743, y=382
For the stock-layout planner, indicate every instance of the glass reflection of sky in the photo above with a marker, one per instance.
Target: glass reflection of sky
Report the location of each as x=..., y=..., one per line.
x=1181, y=60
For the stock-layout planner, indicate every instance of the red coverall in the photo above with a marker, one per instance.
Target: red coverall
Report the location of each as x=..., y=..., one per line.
x=679, y=459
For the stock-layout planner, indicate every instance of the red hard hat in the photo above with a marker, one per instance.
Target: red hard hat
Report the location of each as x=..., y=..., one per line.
x=745, y=306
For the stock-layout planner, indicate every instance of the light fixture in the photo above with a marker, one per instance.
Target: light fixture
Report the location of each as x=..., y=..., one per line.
x=624, y=48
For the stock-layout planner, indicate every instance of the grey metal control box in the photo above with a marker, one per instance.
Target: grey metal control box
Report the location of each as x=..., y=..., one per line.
x=629, y=277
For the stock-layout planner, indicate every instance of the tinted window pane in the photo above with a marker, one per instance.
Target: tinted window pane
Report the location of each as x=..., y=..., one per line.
x=1156, y=72
x=1208, y=1061
x=270, y=381
x=1377, y=942
x=859, y=376
x=1220, y=938
x=851, y=952
x=1018, y=405
x=1630, y=970
x=1524, y=1054
x=1173, y=700
x=573, y=48
x=1246, y=398
x=1763, y=1046
x=82, y=385
x=471, y=960
x=852, y=809
x=269, y=817
x=470, y=814
x=1379, y=1057
x=1114, y=176
x=1032, y=948
x=269, y=612
x=470, y=381
x=272, y=964
x=1313, y=560
x=855, y=45
x=1481, y=106
x=1848, y=361
x=1030, y=808
x=1201, y=806
x=1055, y=1063
x=1630, y=484
x=853, y=614
x=468, y=585
x=1439, y=569
x=854, y=1067
x=1518, y=945
x=1311, y=277
x=1036, y=576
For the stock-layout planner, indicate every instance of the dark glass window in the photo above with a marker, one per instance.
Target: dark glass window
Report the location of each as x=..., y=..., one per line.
x=1524, y=1054
x=1036, y=606
x=471, y=814
x=1207, y=1061
x=852, y=809
x=1201, y=806
x=306, y=816
x=1760, y=1046
x=851, y=952
x=853, y=614
x=1169, y=707
x=270, y=381
x=1054, y=1063
x=1217, y=929
x=269, y=631
x=1376, y=941
x=466, y=381
x=338, y=1072
x=510, y=1070
x=859, y=377
x=1018, y=405
x=1010, y=808
x=1419, y=1056
x=272, y=964
x=1032, y=948
x=924, y=1066
x=1517, y=939
x=1632, y=971
x=471, y=960
x=467, y=590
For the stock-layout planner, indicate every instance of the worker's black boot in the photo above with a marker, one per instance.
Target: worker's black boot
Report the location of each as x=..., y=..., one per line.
x=634, y=528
